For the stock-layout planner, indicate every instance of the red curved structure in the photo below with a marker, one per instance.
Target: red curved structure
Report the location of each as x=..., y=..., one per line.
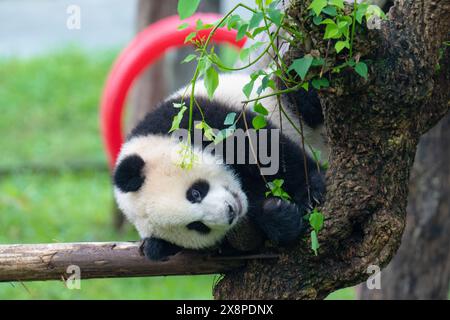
x=147, y=47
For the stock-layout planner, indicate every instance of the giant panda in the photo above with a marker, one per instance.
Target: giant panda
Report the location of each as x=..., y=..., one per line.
x=175, y=208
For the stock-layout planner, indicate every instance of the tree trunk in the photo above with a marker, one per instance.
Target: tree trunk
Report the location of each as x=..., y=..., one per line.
x=373, y=127
x=421, y=268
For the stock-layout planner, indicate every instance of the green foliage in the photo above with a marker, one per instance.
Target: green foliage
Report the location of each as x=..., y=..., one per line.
x=229, y=120
x=316, y=222
x=259, y=122
x=259, y=108
x=211, y=81
x=177, y=119
x=301, y=66
x=187, y=8
x=276, y=190
x=189, y=58
x=317, y=6
x=361, y=69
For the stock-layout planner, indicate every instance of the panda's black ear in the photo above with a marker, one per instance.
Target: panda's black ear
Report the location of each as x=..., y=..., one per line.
x=128, y=176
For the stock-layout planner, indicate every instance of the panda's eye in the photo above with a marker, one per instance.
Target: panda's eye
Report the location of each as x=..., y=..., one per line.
x=197, y=191
x=196, y=195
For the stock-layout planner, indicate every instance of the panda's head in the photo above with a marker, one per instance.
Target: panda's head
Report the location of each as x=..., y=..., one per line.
x=192, y=208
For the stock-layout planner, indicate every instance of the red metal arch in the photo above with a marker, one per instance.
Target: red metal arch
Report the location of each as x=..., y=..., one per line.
x=148, y=46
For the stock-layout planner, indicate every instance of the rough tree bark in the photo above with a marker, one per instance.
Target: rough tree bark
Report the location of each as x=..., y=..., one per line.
x=373, y=127
x=421, y=267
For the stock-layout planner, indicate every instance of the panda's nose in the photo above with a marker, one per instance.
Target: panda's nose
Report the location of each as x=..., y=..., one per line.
x=231, y=214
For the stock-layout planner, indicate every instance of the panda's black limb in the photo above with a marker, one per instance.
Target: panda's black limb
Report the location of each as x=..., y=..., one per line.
x=157, y=249
x=280, y=220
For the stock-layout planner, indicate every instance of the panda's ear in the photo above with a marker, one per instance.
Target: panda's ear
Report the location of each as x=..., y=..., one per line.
x=128, y=175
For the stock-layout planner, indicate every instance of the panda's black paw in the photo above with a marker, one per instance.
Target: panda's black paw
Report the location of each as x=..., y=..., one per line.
x=157, y=249
x=317, y=190
x=280, y=220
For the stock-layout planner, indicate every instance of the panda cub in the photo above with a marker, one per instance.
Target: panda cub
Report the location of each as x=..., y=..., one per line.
x=196, y=208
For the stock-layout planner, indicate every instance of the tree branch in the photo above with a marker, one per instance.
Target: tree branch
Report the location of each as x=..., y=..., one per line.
x=29, y=262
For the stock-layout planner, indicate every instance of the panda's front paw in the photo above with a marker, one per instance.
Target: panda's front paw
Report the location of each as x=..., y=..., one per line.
x=317, y=191
x=157, y=249
x=280, y=220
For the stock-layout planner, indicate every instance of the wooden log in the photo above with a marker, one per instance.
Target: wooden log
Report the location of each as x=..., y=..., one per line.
x=31, y=262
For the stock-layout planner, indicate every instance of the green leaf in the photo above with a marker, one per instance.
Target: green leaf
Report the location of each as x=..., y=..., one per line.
x=337, y=3
x=317, y=20
x=199, y=25
x=332, y=32
x=190, y=36
x=342, y=24
x=259, y=108
x=259, y=122
x=328, y=21
x=320, y=83
x=329, y=10
x=207, y=130
x=374, y=10
x=177, y=119
x=275, y=189
x=255, y=20
x=301, y=66
x=317, y=6
x=203, y=65
x=234, y=21
x=248, y=88
x=244, y=54
x=317, y=156
x=361, y=11
x=314, y=242
x=189, y=58
x=361, y=69
x=276, y=16
x=187, y=8
x=178, y=105
x=278, y=182
x=183, y=26
x=241, y=31
x=229, y=119
x=211, y=81
x=318, y=62
x=316, y=220
x=340, y=45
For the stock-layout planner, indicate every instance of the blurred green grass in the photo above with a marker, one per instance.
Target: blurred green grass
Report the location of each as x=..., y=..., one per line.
x=49, y=116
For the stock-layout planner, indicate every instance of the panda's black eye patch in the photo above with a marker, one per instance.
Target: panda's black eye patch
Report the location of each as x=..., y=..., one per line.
x=198, y=191
x=128, y=175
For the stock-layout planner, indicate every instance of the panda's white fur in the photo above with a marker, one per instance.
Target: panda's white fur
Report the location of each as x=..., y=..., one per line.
x=230, y=93
x=160, y=208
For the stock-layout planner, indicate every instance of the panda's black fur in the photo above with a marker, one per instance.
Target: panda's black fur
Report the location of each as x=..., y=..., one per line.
x=280, y=220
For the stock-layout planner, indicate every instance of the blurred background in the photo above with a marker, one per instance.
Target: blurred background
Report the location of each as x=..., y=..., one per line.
x=54, y=180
